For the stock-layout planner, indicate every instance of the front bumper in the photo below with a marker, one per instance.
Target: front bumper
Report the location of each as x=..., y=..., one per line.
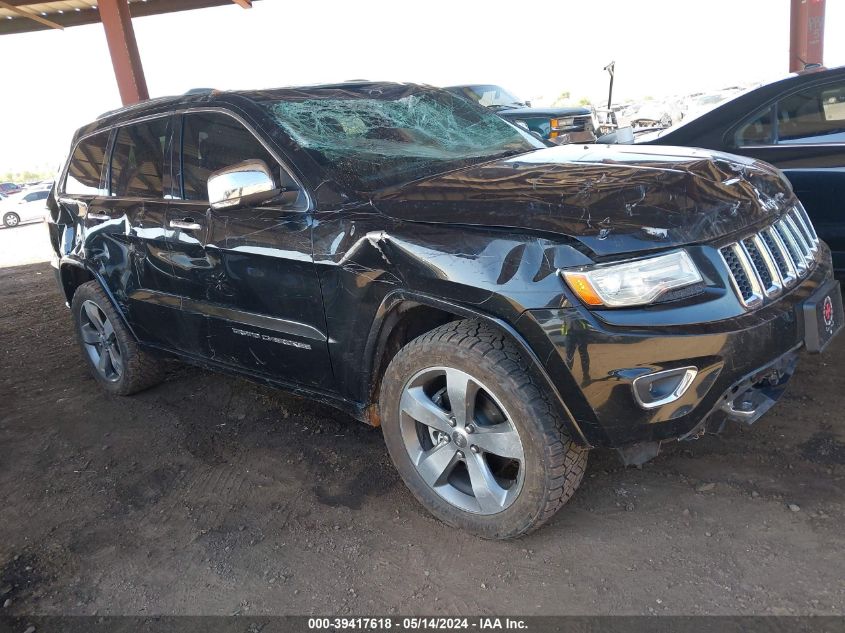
x=743, y=366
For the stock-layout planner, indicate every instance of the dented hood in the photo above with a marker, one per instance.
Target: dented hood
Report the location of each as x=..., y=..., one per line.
x=613, y=199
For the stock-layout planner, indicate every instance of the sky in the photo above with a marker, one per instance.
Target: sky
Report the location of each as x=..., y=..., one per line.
x=64, y=79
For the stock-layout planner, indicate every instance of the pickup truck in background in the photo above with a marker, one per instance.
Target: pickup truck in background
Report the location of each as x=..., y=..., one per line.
x=560, y=125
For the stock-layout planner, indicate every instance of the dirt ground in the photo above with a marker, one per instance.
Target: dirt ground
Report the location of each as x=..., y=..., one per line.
x=211, y=495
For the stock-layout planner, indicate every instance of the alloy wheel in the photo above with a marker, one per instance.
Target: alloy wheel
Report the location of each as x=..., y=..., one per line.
x=100, y=341
x=11, y=220
x=461, y=440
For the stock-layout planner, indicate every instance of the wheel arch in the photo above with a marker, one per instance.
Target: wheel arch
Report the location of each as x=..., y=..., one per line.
x=403, y=315
x=73, y=273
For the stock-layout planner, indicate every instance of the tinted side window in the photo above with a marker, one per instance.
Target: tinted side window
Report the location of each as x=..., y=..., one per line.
x=833, y=103
x=211, y=141
x=86, y=164
x=815, y=115
x=36, y=195
x=138, y=159
x=757, y=131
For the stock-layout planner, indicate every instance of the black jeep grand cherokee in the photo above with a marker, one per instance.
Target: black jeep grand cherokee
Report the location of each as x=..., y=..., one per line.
x=497, y=306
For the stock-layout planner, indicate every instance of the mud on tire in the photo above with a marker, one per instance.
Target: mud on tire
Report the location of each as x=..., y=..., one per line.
x=553, y=465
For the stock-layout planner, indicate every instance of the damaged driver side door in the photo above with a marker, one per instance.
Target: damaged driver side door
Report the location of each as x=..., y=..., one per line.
x=250, y=296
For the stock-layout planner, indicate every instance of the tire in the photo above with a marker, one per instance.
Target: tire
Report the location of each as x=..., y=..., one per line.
x=115, y=359
x=11, y=219
x=535, y=472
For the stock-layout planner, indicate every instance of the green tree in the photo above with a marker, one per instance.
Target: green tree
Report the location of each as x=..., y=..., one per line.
x=26, y=175
x=562, y=98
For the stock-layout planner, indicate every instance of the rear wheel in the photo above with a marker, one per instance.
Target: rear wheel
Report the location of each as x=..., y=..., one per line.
x=108, y=347
x=11, y=219
x=472, y=435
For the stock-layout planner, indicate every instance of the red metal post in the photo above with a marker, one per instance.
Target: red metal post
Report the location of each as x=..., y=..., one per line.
x=806, y=34
x=124, y=51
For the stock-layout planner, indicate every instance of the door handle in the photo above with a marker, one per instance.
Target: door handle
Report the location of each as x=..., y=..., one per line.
x=187, y=224
x=99, y=216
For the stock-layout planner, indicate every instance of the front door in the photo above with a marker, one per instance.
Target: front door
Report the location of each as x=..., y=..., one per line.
x=250, y=294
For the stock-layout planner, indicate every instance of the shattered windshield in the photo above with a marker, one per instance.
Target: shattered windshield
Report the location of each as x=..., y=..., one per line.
x=369, y=140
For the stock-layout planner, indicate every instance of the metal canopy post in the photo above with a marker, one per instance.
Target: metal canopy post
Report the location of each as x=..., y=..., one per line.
x=806, y=34
x=124, y=51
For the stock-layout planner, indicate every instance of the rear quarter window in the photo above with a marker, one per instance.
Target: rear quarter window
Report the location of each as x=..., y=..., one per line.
x=86, y=166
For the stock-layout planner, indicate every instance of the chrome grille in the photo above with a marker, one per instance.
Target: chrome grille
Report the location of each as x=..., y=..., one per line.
x=741, y=274
x=763, y=264
x=757, y=261
x=785, y=233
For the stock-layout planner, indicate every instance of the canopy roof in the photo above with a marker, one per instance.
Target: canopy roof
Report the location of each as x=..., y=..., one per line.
x=21, y=16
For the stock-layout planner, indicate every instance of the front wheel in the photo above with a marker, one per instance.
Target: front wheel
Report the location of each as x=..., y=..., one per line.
x=475, y=439
x=11, y=219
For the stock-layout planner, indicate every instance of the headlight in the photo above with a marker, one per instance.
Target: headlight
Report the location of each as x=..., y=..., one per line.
x=559, y=124
x=633, y=283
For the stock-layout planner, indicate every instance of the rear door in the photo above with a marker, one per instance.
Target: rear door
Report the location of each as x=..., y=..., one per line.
x=250, y=294
x=131, y=226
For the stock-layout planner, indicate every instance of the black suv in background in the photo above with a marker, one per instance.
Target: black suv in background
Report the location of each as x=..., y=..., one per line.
x=798, y=125
x=497, y=306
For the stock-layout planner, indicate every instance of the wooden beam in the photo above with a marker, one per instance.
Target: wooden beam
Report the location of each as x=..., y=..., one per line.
x=246, y=4
x=28, y=14
x=23, y=3
x=123, y=47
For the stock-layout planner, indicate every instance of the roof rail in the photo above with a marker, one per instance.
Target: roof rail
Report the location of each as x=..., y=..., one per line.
x=141, y=104
x=134, y=106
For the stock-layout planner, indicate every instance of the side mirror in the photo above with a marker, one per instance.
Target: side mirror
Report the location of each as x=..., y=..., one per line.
x=250, y=181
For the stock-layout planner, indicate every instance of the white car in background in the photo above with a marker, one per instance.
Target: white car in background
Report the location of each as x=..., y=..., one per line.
x=27, y=206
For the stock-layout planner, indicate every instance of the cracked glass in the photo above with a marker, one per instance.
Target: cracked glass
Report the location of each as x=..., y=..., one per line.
x=370, y=140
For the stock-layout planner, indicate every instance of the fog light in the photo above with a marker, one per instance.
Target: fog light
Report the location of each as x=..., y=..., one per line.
x=663, y=387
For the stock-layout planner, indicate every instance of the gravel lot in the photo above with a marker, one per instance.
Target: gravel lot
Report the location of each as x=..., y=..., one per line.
x=211, y=495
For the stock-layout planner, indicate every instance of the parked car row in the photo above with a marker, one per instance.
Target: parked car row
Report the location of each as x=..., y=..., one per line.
x=9, y=188
x=26, y=205
x=499, y=306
